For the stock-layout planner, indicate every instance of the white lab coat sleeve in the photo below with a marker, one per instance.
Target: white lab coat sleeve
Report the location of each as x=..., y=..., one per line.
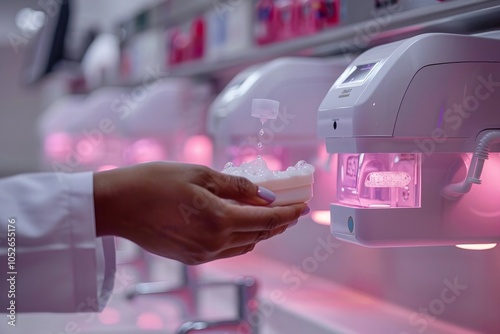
x=60, y=264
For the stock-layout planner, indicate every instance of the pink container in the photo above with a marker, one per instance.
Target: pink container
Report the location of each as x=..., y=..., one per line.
x=309, y=17
x=287, y=13
x=265, y=23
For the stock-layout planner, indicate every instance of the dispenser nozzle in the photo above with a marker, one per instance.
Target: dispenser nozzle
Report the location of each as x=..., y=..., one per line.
x=265, y=109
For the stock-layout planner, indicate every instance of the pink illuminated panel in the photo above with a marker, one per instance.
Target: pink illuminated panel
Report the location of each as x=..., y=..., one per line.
x=379, y=180
x=387, y=179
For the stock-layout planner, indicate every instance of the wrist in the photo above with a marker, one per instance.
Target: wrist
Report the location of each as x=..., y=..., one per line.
x=102, y=206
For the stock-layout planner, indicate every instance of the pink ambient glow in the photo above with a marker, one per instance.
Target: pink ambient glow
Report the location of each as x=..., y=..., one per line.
x=322, y=154
x=321, y=217
x=149, y=320
x=146, y=150
x=88, y=151
x=109, y=316
x=198, y=150
x=57, y=145
x=477, y=246
x=106, y=167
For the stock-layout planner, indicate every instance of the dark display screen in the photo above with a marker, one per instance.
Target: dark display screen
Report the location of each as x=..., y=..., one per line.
x=360, y=73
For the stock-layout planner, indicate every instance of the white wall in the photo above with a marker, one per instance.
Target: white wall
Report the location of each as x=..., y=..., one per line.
x=21, y=106
x=19, y=109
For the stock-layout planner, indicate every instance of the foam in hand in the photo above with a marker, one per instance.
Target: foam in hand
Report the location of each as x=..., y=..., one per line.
x=294, y=185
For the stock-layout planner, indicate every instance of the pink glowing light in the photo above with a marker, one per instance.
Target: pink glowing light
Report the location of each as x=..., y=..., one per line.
x=322, y=154
x=321, y=217
x=198, y=150
x=57, y=145
x=477, y=246
x=146, y=150
x=148, y=320
x=87, y=150
x=106, y=167
x=109, y=316
x=253, y=304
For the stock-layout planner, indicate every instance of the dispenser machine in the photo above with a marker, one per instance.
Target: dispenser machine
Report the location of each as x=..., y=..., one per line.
x=414, y=130
x=298, y=85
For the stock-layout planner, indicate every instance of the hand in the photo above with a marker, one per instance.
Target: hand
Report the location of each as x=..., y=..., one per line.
x=188, y=213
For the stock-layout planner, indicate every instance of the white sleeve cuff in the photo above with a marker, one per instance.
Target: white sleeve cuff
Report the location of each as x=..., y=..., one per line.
x=101, y=268
x=61, y=265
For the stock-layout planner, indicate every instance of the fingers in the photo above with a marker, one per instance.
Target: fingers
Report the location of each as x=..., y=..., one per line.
x=235, y=188
x=254, y=218
x=247, y=238
x=243, y=243
x=236, y=251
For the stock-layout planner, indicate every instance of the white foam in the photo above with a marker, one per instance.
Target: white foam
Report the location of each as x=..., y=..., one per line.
x=294, y=185
x=258, y=171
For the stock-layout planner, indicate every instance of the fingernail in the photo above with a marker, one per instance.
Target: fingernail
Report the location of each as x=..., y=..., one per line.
x=306, y=211
x=292, y=224
x=266, y=194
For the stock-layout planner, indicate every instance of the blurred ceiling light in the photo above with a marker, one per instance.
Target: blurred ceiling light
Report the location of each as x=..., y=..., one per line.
x=321, y=217
x=30, y=21
x=198, y=150
x=477, y=246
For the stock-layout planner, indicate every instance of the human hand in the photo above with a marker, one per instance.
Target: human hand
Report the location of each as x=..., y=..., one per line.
x=188, y=213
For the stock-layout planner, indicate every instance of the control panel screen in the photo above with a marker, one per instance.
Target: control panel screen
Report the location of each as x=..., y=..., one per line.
x=360, y=73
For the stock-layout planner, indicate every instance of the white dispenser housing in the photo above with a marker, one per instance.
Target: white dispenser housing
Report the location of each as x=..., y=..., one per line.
x=404, y=122
x=299, y=85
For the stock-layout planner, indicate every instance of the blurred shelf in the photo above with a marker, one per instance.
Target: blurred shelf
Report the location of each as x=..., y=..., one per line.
x=166, y=14
x=181, y=11
x=463, y=16
x=458, y=16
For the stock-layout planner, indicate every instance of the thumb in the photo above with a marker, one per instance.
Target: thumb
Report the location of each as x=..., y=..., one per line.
x=238, y=188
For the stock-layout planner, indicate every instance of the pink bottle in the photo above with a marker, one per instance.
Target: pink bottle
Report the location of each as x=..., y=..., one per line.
x=287, y=18
x=177, y=40
x=125, y=65
x=309, y=16
x=330, y=12
x=197, y=44
x=265, y=23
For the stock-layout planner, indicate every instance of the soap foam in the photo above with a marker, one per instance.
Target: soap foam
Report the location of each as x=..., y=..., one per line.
x=258, y=171
x=294, y=185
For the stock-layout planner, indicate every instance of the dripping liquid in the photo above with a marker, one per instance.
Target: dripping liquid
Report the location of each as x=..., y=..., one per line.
x=260, y=145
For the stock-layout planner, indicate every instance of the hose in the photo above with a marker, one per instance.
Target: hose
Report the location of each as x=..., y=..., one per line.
x=456, y=190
